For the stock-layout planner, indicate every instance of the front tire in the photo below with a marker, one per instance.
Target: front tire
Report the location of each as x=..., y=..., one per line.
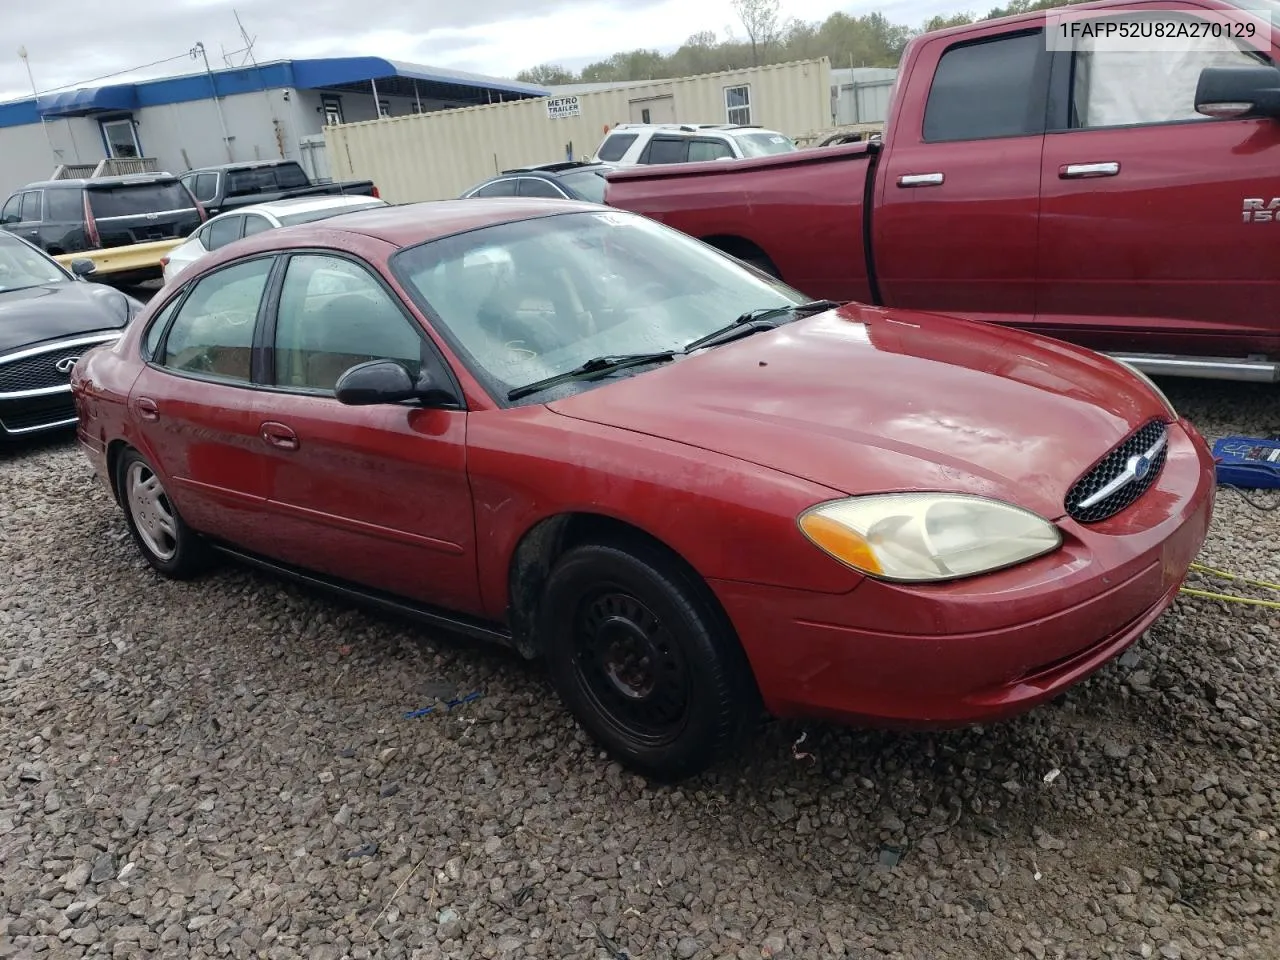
x=644, y=661
x=161, y=535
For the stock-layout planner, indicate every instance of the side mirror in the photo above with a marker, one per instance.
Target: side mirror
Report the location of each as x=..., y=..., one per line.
x=385, y=381
x=83, y=266
x=1238, y=93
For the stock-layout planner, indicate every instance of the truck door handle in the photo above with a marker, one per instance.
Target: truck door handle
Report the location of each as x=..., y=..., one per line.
x=278, y=435
x=147, y=408
x=1079, y=171
x=921, y=180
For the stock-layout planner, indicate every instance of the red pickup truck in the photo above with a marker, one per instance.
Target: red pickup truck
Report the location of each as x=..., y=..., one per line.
x=1105, y=173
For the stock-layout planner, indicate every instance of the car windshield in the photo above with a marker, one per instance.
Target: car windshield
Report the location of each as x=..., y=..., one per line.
x=764, y=144
x=311, y=216
x=588, y=184
x=533, y=299
x=21, y=266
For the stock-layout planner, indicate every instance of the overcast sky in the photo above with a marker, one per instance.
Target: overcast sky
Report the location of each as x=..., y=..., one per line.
x=71, y=42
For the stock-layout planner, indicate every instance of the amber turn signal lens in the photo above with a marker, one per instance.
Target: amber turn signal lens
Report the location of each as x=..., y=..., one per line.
x=841, y=542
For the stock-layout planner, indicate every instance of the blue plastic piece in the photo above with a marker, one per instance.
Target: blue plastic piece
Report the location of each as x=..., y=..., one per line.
x=1249, y=462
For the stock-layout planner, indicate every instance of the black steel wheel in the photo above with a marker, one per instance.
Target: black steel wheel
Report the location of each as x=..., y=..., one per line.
x=644, y=660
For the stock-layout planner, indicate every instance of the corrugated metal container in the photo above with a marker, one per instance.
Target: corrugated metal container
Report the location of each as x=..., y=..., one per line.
x=435, y=156
x=861, y=94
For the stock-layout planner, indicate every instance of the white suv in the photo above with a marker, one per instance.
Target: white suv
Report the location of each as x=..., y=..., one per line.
x=633, y=143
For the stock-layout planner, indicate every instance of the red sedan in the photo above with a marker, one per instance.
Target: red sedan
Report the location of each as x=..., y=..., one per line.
x=692, y=490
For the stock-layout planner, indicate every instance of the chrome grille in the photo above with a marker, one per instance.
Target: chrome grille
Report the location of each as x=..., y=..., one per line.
x=36, y=368
x=1113, y=483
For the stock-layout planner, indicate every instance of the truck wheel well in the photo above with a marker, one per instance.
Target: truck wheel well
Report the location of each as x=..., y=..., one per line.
x=744, y=249
x=544, y=544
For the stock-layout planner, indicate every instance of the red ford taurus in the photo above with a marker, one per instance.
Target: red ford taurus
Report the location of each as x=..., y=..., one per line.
x=691, y=489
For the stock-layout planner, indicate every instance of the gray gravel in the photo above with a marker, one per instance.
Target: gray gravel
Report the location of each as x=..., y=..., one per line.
x=223, y=768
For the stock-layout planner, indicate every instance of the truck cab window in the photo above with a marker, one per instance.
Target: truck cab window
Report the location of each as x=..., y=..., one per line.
x=1113, y=84
x=992, y=88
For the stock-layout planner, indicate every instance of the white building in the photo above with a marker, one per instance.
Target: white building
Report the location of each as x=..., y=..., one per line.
x=268, y=111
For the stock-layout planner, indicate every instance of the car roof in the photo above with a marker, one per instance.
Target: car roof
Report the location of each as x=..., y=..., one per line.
x=117, y=181
x=239, y=165
x=554, y=169
x=407, y=224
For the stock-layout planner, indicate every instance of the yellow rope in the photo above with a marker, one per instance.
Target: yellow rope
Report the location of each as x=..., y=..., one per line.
x=1232, y=576
x=1209, y=595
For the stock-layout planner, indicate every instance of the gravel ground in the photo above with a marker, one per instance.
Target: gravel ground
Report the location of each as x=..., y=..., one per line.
x=224, y=768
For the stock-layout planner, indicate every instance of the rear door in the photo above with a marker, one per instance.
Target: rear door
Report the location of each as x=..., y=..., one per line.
x=1147, y=239
x=197, y=410
x=955, y=221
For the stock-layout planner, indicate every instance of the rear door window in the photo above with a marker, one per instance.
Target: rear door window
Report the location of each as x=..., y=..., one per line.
x=533, y=187
x=499, y=188
x=138, y=199
x=64, y=206
x=709, y=150
x=224, y=231
x=203, y=186
x=615, y=146
x=212, y=334
x=666, y=150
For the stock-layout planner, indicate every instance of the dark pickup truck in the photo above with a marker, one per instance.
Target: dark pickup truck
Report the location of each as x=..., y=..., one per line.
x=233, y=185
x=1122, y=193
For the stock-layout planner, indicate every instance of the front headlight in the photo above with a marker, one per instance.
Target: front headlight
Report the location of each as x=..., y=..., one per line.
x=927, y=537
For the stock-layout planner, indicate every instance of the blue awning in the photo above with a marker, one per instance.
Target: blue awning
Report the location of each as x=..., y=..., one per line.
x=87, y=101
x=344, y=71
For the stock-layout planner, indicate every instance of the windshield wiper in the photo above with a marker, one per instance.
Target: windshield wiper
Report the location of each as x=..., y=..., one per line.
x=755, y=320
x=595, y=367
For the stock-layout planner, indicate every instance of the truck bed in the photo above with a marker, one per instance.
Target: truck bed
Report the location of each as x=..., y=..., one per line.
x=780, y=212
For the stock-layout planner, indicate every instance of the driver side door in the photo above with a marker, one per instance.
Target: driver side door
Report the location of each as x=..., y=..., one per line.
x=377, y=495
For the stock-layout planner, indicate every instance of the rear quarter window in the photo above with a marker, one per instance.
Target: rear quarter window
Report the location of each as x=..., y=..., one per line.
x=64, y=206
x=615, y=146
x=136, y=200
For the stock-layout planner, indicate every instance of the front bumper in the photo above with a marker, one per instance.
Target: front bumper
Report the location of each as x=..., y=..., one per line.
x=987, y=647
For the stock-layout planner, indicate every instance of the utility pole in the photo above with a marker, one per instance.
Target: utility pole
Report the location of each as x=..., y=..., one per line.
x=35, y=96
x=198, y=51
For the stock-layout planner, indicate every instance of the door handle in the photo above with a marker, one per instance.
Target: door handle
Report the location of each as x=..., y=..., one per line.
x=147, y=408
x=1081, y=171
x=278, y=435
x=921, y=180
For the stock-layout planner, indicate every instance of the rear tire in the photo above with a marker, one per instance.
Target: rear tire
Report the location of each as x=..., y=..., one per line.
x=162, y=536
x=643, y=660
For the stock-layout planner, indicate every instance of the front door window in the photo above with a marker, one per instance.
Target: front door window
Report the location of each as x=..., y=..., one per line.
x=122, y=139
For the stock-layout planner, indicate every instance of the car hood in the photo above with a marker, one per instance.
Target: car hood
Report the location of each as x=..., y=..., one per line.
x=34, y=314
x=865, y=400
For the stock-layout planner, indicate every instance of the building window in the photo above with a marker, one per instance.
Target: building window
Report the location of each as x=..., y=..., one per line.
x=332, y=107
x=384, y=108
x=737, y=104
x=121, y=138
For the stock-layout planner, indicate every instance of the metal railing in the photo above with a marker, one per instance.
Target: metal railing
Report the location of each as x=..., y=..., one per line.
x=110, y=167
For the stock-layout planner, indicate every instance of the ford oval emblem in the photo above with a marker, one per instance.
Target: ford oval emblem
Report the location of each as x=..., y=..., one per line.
x=1140, y=466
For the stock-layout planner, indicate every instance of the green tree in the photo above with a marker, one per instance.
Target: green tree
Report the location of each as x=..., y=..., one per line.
x=760, y=19
x=870, y=40
x=547, y=75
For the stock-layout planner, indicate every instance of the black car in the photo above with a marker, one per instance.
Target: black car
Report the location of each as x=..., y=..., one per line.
x=71, y=216
x=567, y=180
x=48, y=317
